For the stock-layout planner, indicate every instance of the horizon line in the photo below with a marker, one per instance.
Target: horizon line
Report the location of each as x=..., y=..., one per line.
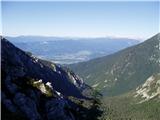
x=79, y=37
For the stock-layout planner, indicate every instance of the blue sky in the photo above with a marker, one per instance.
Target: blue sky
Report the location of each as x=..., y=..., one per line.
x=81, y=19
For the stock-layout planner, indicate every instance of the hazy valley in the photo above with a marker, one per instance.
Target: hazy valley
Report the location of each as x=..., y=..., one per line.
x=63, y=50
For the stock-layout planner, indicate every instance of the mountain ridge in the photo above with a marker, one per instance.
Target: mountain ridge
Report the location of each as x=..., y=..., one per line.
x=127, y=68
x=35, y=89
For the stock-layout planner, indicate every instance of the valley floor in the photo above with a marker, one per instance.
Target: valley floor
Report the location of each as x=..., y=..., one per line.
x=125, y=107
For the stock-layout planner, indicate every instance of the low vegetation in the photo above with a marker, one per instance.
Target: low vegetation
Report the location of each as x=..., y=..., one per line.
x=125, y=107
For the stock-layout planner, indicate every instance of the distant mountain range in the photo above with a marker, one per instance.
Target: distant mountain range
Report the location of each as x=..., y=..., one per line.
x=123, y=71
x=70, y=50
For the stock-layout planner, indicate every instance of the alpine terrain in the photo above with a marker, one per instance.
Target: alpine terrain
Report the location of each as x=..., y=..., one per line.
x=35, y=89
x=129, y=81
x=123, y=71
x=141, y=103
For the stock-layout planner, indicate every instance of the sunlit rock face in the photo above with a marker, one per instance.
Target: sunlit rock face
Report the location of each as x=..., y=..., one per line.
x=150, y=89
x=33, y=89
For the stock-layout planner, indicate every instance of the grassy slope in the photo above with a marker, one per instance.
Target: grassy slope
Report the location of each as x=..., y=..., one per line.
x=125, y=107
x=129, y=106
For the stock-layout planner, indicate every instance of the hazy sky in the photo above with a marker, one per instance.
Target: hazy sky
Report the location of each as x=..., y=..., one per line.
x=81, y=19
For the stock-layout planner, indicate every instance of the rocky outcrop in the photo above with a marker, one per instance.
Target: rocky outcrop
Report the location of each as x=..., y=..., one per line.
x=19, y=64
x=58, y=109
x=33, y=89
x=27, y=106
x=150, y=89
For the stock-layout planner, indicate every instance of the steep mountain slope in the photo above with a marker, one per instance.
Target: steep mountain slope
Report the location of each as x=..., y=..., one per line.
x=150, y=89
x=34, y=89
x=140, y=104
x=59, y=78
x=123, y=71
x=70, y=50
